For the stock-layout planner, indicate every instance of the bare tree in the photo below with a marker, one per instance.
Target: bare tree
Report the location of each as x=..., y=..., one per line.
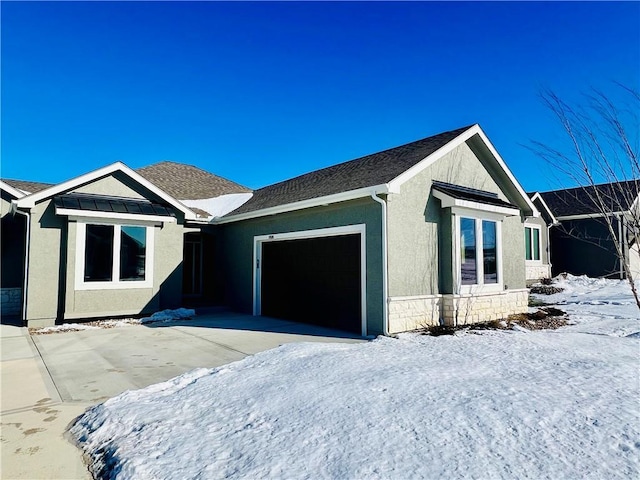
x=600, y=155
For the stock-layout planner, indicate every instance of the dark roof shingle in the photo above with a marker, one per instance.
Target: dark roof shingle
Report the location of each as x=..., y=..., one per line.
x=371, y=170
x=617, y=196
x=26, y=186
x=186, y=182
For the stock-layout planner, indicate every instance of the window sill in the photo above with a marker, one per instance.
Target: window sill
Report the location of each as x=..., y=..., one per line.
x=114, y=285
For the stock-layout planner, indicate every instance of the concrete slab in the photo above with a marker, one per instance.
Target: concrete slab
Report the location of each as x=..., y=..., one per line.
x=48, y=380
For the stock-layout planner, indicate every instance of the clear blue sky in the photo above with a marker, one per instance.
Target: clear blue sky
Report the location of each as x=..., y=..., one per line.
x=262, y=92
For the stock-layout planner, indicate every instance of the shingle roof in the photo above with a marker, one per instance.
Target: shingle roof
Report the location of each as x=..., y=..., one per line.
x=618, y=196
x=371, y=170
x=186, y=182
x=471, y=194
x=25, y=186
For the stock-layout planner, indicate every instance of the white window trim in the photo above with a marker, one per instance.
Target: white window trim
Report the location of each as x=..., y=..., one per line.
x=302, y=234
x=479, y=287
x=539, y=261
x=81, y=235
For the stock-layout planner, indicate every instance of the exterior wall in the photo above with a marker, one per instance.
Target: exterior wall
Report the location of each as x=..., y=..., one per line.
x=51, y=293
x=167, y=283
x=237, y=250
x=412, y=313
x=535, y=270
x=584, y=247
x=420, y=244
x=45, y=258
x=475, y=308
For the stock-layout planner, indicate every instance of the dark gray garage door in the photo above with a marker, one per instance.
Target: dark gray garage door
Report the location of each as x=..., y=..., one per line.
x=314, y=280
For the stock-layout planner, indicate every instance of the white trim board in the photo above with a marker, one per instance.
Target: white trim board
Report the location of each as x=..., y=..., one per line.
x=359, y=229
x=14, y=192
x=537, y=196
x=133, y=217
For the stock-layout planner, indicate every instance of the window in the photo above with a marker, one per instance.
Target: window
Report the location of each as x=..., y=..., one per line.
x=479, y=251
x=532, y=243
x=113, y=256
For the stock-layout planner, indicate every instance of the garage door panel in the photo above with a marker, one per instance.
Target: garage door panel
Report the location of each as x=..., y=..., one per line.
x=316, y=280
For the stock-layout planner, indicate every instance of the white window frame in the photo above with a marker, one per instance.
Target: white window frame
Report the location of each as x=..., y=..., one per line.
x=480, y=286
x=532, y=261
x=116, y=283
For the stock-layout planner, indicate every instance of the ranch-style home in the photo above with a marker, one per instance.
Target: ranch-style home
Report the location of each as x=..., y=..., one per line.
x=429, y=232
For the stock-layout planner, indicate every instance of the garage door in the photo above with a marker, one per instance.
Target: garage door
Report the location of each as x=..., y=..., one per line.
x=313, y=280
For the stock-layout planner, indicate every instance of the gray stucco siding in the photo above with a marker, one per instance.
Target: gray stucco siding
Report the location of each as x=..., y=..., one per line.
x=238, y=244
x=167, y=280
x=117, y=185
x=45, y=252
x=420, y=231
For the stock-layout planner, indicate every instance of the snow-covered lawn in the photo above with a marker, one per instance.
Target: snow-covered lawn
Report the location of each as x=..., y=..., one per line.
x=484, y=404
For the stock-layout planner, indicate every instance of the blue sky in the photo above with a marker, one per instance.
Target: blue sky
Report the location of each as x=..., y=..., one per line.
x=262, y=92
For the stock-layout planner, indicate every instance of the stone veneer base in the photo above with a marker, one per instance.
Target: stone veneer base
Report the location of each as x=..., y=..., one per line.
x=412, y=313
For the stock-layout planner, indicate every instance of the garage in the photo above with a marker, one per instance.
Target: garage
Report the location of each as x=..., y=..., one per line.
x=313, y=279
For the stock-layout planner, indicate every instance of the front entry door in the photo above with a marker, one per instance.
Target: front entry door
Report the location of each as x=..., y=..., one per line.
x=192, y=265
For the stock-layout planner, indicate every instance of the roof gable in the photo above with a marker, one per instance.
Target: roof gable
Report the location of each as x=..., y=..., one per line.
x=29, y=201
x=186, y=182
x=617, y=196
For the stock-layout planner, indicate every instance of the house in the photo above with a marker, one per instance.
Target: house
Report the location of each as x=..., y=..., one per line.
x=428, y=232
x=536, y=241
x=580, y=240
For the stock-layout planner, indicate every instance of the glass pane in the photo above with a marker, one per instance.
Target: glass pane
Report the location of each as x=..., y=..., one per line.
x=98, y=253
x=489, y=252
x=468, y=270
x=536, y=244
x=133, y=243
x=527, y=243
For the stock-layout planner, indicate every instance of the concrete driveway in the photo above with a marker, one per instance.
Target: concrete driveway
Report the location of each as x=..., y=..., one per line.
x=49, y=380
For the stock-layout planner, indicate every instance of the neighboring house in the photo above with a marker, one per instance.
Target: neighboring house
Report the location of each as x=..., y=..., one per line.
x=581, y=242
x=537, y=253
x=424, y=233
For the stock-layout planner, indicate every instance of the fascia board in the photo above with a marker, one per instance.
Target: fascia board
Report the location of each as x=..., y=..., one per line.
x=506, y=170
x=310, y=203
x=29, y=201
x=591, y=215
x=537, y=196
x=14, y=192
x=113, y=215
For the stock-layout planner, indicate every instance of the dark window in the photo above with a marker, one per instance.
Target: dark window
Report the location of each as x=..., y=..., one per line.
x=489, y=252
x=98, y=256
x=532, y=243
x=469, y=270
x=133, y=242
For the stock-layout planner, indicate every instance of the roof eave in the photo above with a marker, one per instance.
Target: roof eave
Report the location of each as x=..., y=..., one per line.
x=13, y=191
x=309, y=203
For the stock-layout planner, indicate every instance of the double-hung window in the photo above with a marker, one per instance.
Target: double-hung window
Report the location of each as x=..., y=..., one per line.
x=479, y=254
x=114, y=256
x=532, y=243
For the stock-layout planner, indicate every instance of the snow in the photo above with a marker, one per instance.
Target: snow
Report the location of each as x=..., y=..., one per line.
x=596, y=305
x=163, y=316
x=169, y=315
x=219, y=206
x=478, y=404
